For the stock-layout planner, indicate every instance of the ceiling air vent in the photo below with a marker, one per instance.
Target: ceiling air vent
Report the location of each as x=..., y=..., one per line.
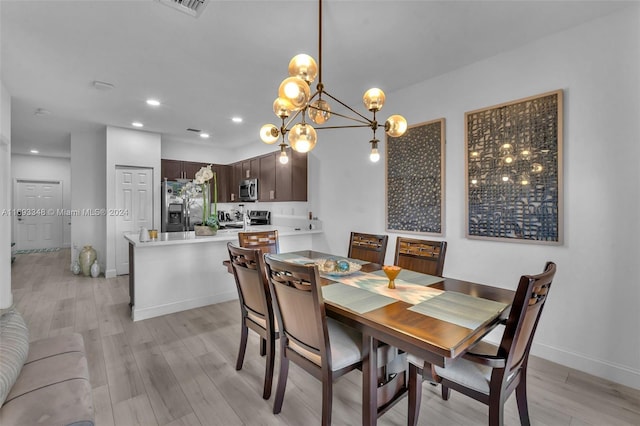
x=190, y=7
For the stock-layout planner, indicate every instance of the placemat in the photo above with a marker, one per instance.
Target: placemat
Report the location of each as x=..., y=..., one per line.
x=460, y=309
x=354, y=298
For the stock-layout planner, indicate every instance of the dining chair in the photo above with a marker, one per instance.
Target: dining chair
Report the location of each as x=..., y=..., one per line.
x=487, y=373
x=320, y=345
x=368, y=247
x=255, y=307
x=422, y=256
x=266, y=241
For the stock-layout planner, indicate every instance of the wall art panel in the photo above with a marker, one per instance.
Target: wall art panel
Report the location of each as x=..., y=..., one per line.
x=415, y=179
x=514, y=170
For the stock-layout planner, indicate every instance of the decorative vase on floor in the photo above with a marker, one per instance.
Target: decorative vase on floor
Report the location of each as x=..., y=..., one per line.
x=86, y=258
x=204, y=230
x=75, y=267
x=95, y=269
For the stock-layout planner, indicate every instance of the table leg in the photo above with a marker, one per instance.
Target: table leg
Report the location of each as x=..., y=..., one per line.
x=369, y=380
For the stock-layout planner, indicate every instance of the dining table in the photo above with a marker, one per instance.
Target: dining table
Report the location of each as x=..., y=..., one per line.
x=434, y=318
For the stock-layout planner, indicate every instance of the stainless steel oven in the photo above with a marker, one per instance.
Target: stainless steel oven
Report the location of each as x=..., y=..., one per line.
x=248, y=190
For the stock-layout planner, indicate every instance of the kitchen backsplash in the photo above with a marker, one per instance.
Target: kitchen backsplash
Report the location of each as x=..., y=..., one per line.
x=294, y=214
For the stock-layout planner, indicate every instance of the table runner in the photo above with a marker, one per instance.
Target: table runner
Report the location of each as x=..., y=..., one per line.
x=412, y=277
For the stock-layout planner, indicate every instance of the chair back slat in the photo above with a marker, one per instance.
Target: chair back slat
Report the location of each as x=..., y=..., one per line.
x=368, y=247
x=526, y=310
x=299, y=308
x=422, y=256
x=266, y=241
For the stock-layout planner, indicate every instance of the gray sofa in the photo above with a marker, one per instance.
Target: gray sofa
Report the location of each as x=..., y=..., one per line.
x=45, y=382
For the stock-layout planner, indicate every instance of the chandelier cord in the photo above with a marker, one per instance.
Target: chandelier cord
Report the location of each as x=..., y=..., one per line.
x=320, y=47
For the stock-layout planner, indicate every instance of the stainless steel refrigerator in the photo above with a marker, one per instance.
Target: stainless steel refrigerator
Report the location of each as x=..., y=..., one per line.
x=175, y=215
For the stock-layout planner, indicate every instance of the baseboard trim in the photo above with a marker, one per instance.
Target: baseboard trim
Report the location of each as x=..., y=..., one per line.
x=607, y=370
x=183, y=305
x=110, y=273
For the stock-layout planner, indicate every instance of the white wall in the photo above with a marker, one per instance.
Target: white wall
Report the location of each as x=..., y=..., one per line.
x=132, y=148
x=198, y=152
x=6, y=298
x=88, y=191
x=47, y=168
x=592, y=319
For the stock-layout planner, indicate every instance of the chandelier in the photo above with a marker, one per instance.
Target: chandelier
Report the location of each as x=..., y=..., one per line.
x=295, y=101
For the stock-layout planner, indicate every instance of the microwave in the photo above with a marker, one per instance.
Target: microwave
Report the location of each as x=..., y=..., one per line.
x=248, y=190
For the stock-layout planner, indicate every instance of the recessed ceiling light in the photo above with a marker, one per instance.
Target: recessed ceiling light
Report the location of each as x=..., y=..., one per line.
x=41, y=112
x=237, y=119
x=102, y=85
x=204, y=135
x=153, y=102
x=34, y=151
x=137, y=124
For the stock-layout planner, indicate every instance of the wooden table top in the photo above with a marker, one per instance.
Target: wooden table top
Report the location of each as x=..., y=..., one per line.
x=435, y=340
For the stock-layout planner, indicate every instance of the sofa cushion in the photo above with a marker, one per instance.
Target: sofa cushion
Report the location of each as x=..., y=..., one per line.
x=65, y=403
x=49, y=371
x=14, y=348
x=44, y=348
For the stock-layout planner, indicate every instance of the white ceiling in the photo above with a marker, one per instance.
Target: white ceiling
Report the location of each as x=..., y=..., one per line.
x=231, y=59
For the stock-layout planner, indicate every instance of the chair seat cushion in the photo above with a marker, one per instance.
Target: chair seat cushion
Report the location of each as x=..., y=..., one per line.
x=261, y=321
x=345, y=342
x=346, y=345
x=463, y=371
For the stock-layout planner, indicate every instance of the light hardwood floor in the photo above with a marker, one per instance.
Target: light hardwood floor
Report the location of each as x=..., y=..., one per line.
x=179, y=369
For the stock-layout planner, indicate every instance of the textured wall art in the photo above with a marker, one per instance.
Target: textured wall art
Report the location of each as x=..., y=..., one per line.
x=415, y=179
x=513, y=173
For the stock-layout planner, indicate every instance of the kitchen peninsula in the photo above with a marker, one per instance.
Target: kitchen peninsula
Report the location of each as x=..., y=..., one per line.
x=179, y=271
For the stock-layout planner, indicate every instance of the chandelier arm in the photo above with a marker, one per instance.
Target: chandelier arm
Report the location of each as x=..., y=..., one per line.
x=366, y=123
x=348, y=107
x=342, y=127
x=293, y=117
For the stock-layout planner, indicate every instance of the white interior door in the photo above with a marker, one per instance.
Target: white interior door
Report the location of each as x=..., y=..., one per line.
x=134, y=204
x=38, y=215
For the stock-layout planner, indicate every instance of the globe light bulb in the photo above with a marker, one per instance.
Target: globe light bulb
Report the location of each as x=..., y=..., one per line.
x=373, y=99
x=303, y=66
x=302, y=137
x=283, y=157
x=374, y=156
x=395, y=126
x=269, y=133
x=282, y=108
x=319, y=111
x=296, y=91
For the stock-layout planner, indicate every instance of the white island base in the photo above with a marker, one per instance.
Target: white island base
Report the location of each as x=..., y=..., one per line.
x=180, y=271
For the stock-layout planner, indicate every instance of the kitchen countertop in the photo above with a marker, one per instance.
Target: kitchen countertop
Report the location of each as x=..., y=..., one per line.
x=223, y=235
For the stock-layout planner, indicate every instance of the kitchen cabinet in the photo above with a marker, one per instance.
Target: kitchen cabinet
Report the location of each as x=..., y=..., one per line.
x=178, y=169
x=283, y=182
x=299, y=175
x=235, y=176
x=224, y=178
x=276, y=181
x=251, y=168
x=267, y=181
